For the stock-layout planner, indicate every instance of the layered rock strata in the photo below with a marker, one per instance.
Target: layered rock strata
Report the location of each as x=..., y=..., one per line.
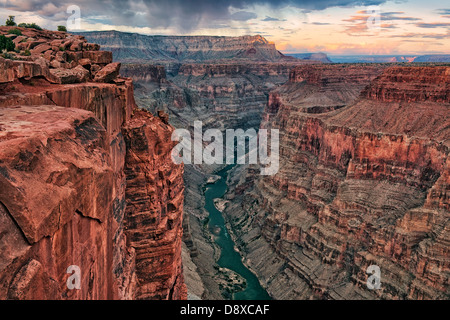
x=215, y=84
x=155, y=194
x=75, y=151
x=230, y=95
x=222, y=96
x=363, y=180
x=132, y=47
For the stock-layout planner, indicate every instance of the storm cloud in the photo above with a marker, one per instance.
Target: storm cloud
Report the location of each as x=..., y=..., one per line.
x=183, y=15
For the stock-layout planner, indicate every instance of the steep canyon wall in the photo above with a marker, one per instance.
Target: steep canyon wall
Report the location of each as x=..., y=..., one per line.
x=86, y=179
x=363, y=181
x=363, y=176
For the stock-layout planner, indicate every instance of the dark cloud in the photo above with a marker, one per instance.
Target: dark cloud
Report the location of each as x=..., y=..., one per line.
x=436, y=36
x=392, y=16
x=443, y=11
x=433, y=25
x=183, y=15
x=243, y=16
x=267, y=18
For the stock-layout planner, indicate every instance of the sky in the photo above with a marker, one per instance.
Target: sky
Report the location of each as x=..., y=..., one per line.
x=336, y=27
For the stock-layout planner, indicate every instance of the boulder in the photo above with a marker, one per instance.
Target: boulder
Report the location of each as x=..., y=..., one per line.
x=108, y=73
x=49, y=55
x=19, y=39
x=77, y=45
x=101, y=57
x=91, y=46
x=6, y=71
x=41, y=48
x=66, y=76
x=95, y=68
x=33, y=44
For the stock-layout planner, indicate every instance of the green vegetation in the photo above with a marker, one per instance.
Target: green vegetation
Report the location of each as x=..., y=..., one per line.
x=62, y=28
x=27, y=52
x=30, y=26
x=6, y=44
x=7, y=55
x=15, y=31
x=10, y=21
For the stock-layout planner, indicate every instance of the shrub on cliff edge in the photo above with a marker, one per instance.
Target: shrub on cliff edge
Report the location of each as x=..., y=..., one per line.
x=10, y=21
x=6, y=44
x=30, y=26
x=15, y=31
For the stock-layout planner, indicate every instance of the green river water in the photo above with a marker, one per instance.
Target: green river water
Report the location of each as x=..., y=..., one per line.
x=229, y=258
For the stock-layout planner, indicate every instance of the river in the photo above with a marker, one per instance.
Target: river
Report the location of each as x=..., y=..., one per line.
x=229, y=257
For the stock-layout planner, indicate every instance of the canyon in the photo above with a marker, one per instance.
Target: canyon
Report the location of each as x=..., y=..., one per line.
x=87, y=178
x=221, y=81
x=224, y=82
x=363, y=178
x=363, y=181
x=133, y=47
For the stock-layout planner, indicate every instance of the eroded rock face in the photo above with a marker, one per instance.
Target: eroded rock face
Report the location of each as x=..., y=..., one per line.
x=108, y=73
x=154, y=195
x=145, y=72
x=221, y=95
x=363, y=181
x=132, y=47
x=64, y=196
x=225, y=84
x=412, y=84
x=56, y=197
x=59, y=57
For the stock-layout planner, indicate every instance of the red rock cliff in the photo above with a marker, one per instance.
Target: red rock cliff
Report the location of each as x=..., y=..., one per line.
x=364, y=184
x=85, y=178
x=144, y=72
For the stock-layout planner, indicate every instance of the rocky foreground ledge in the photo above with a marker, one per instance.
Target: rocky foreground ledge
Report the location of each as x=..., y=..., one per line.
x=58, y=57
x=86, y=178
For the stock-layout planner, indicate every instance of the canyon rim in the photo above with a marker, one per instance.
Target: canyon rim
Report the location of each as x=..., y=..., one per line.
x=193, y=157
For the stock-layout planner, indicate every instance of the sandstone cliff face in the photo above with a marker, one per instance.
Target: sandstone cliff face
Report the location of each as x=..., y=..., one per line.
x=154, y=207
x=319, y=56
x=144, y=72
x=219, y=80
x=363, y=181
x=69, y=134
x=412, y=84
x=237, y=68
x=221, y=95
x=132, y=47
x=222, y=81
